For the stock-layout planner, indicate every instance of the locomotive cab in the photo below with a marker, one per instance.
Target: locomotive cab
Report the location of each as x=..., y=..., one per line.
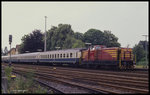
x=97, y=47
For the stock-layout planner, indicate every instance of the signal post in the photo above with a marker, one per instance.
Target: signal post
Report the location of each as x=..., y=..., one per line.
x=10, y=40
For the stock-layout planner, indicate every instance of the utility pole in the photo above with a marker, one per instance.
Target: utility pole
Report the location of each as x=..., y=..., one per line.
x=45, y=35
x=10, y=40
x=146, y=49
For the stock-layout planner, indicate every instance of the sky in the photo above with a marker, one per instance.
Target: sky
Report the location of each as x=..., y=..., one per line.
x=126, y=20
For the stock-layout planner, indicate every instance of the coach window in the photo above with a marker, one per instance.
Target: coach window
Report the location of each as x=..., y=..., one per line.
x=55, y=55
x=70, y=55
x=67, y=55
x=64, y=55
x=60, y=55
x=76, y=55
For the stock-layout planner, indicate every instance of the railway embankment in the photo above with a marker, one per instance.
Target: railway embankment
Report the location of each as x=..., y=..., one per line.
x=13, y=83
x=78, y=80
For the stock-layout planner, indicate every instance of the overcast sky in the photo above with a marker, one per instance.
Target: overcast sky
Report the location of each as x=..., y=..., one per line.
x=126, y=20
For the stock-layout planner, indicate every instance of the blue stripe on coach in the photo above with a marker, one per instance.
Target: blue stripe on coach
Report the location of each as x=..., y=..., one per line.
x=60, y=60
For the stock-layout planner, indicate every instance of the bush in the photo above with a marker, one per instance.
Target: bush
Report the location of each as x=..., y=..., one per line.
x=142, y=62
x=23, y=85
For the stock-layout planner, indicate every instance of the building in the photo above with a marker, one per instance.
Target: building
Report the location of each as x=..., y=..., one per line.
x=17, y=49
x=12, y=51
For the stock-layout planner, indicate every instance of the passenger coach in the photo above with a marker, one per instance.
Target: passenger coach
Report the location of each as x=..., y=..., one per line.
x=70, y=56
x=60, y=56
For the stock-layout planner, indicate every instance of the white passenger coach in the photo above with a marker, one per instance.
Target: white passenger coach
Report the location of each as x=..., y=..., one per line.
x=57, y=56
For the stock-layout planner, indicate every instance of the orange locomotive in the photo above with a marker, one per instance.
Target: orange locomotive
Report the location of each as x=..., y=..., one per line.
x=113, y=57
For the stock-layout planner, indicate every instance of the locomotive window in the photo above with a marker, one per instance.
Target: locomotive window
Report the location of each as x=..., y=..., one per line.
x=70, y=55
x=64, y=55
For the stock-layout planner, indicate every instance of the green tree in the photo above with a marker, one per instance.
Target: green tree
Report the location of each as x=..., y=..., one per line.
x=2, y=52
x=79, y=36
x=5, y=51
x=97, y=37
x=32, y=42
x=110, y=39
x=78, y=44
x=63, y=37
x=138, y=50
x=94, y=36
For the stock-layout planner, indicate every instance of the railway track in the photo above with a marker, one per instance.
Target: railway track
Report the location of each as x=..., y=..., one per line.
x=121, y=73
x=45, y=79
x=100, y=81
x=135, y=72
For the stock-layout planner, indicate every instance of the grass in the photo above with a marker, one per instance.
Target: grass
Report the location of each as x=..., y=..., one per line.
x=23, y=85
x=141, y=64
